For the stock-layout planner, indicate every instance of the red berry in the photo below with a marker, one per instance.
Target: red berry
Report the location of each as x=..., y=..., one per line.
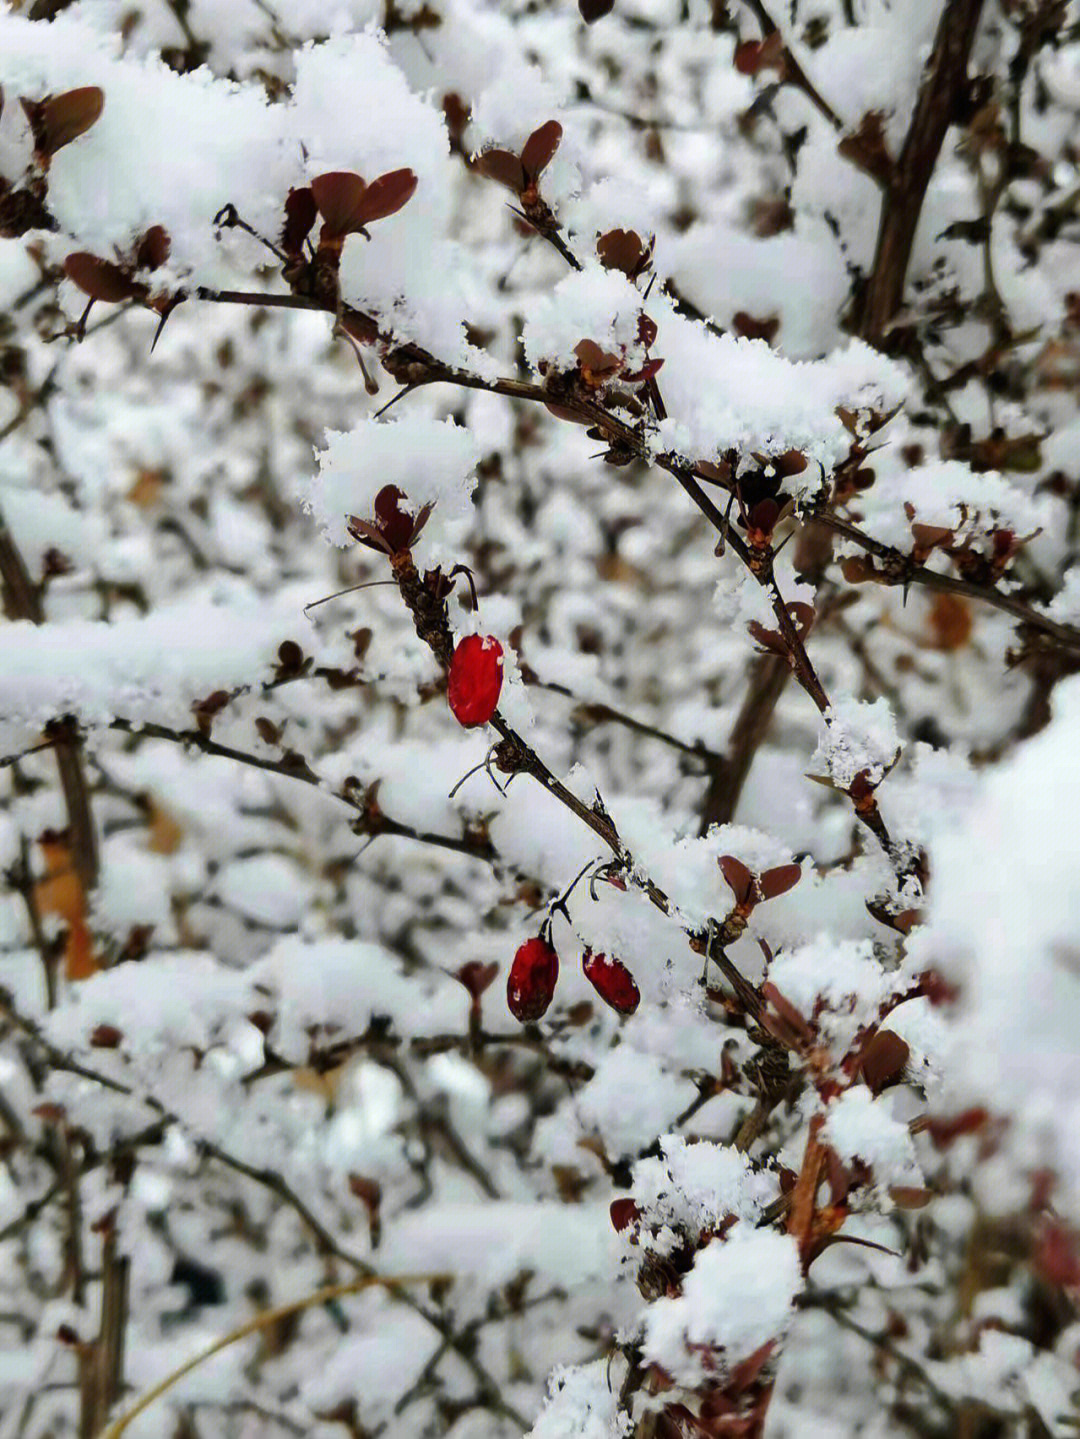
x=612, y=981
x=530, y=985
x=475, y=679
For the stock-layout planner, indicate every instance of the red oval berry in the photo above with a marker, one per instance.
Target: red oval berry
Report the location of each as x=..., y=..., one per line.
x=530, y=986
x=612, y=981
x=475, y=679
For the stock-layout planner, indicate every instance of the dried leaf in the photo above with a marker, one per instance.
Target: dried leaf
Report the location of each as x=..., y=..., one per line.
x=882, y=1061
x=61, y=893
x=867, y=148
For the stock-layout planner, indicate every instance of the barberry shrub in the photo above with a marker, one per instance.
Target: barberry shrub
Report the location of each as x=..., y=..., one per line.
x=539, y=719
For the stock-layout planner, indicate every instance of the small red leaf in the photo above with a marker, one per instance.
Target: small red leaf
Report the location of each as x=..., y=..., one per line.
x=100, y=279
x=338, y=195
x=530, y=985
x=385, y=196
x=612, y=981
x=624, y=1212
x=476, y=976
x=475, y=680
x=739, y=878
x=539, y=148
x=395, y=524
x=882, y=1061
x=503, y=167
x=153, y=248
x=778, y=881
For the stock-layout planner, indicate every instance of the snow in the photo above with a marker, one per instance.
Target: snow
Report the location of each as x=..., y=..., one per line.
x=696, y=1186
x=1004, y=913
x=739, y=1296
x=858, y=1126
x=581, y=1404
x=860, y=738
x=142, y=668
x=428, y=460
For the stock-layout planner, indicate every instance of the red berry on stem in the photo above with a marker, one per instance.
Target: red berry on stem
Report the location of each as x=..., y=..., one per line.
x=530, y=986
x=612, y=981
x=475, y=679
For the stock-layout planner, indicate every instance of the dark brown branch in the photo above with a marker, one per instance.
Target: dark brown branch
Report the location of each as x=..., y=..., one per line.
x=768, y=680
x=935, y=109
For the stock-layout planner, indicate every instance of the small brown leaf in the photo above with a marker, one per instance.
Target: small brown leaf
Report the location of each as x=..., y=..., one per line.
x=503, y=167
x=100, y=279
x=63, y=118
x=106, y=1036
x=910, y=1196
x=385, y=196
x=593, y=10
x=539, y=149
x=882, y=1061
x=301, y=213
x=337, y=195
x=153, y=248
x=867, y=148
x=775, y=882
x=620, y=250
x=740, y=880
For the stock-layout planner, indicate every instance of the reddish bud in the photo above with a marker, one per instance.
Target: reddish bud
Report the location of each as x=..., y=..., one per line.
x=475, y=679
x=105, y=1036
x=475, y=975
x=612, y=981
x=530, y=986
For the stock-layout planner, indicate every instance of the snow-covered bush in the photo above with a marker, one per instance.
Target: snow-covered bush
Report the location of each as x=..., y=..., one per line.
x=553, y=907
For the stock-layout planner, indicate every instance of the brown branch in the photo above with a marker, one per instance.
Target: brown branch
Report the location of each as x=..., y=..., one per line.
x=768, y=680
x=900, y=569
x=22, y=601
x=901, y=207
x=294, y=766
x=794, y=73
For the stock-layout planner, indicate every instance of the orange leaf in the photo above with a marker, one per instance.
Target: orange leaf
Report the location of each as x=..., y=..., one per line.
x=61, y=893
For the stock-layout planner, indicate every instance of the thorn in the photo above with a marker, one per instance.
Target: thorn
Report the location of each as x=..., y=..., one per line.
x=405, y=390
